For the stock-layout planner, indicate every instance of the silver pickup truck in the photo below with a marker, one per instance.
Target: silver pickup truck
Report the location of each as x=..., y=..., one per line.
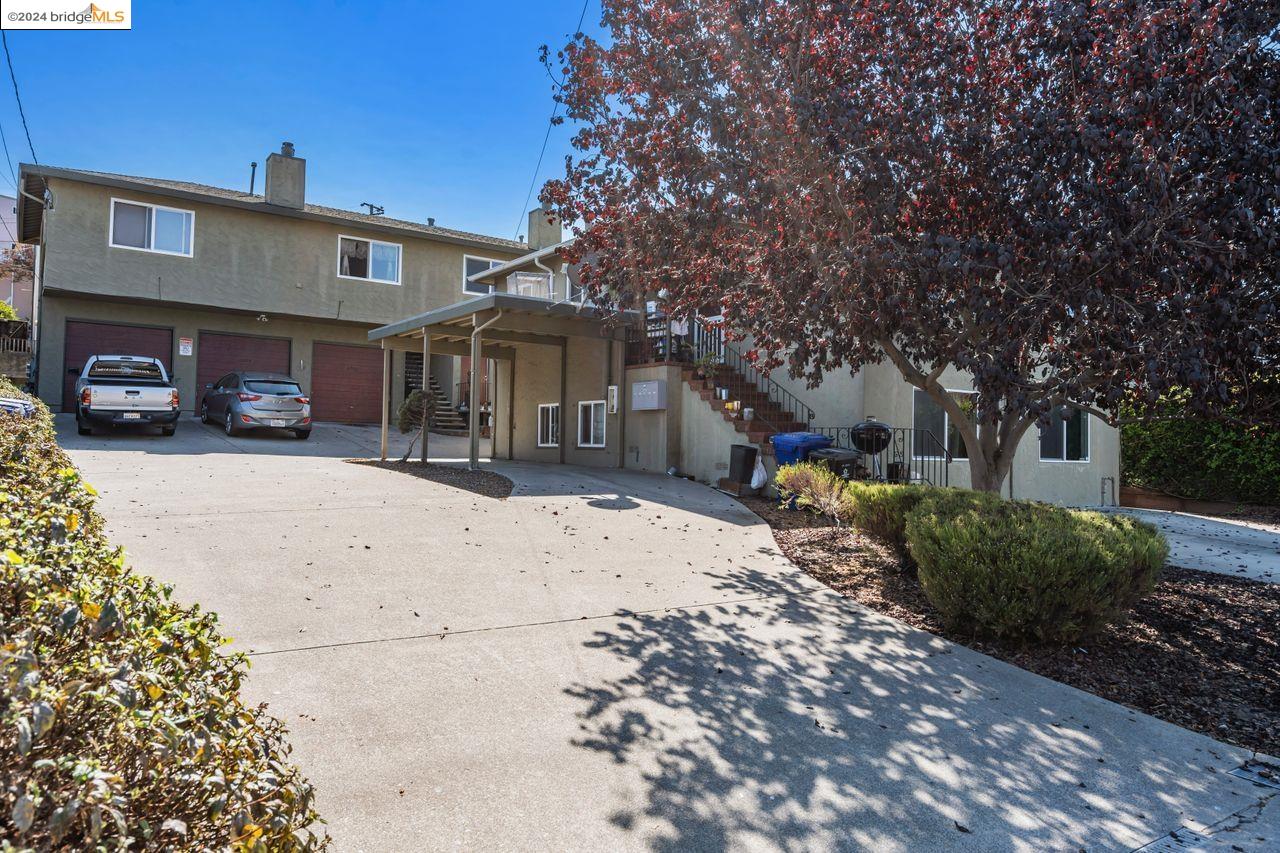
x=114, y=390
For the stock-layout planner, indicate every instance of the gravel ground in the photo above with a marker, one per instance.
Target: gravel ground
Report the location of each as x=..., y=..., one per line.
x=487, y=483
x=1202, y=651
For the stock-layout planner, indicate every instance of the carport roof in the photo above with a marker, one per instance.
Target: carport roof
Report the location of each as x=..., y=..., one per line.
x=508, y=303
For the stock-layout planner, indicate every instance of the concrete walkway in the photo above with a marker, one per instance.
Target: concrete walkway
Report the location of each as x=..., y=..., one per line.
x=1239, y=548
x=613, y=661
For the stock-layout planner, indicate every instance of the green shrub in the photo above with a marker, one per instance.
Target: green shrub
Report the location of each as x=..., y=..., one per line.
x=1029, y=572
x=121, y=722
x=7, y=312
x=880, y=509
x=1203, y=460
x=813, y=487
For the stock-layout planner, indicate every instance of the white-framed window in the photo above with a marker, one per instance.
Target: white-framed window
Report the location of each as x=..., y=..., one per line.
x=472, y=265
x=151, y=228
x=1066, y=438
x=368, y=260
x=932, y=428
x=548, y=424
x=591, y=423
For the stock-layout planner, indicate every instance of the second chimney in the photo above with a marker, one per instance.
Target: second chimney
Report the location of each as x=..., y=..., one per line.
x=544, y=229
x=286, y=178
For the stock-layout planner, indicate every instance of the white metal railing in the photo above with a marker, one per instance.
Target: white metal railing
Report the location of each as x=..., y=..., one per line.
x=530, y=284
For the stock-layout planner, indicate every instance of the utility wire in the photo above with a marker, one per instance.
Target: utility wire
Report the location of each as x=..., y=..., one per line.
x=546, y=137
x=9, y=174
x=17, y=97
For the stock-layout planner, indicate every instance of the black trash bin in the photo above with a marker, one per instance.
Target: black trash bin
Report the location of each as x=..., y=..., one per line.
x=841, y=460
x=742, y=463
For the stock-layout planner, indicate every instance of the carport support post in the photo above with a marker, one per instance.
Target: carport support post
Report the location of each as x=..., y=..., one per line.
x=426, y=385
x=473, y=413
x=386, y=396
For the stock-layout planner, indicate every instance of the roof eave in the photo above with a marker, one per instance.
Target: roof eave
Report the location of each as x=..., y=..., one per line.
x=516, y=264
x=491, y=301
x=256, y=206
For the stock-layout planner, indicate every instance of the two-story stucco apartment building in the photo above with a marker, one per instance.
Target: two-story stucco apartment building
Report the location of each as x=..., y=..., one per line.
x=212, y=280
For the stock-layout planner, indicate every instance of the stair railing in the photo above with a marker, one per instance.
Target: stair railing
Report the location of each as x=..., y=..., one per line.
x=746, y=379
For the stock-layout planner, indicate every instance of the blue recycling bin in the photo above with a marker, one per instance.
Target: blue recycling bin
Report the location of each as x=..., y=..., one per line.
x=791, y=447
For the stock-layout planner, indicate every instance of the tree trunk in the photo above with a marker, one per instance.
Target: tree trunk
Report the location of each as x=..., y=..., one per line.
x=413, y=441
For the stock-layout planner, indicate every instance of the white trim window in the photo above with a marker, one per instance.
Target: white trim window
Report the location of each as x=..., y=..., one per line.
x=929, y=418
x=548, y=424
x=472, y=265
x=1066, y=438
x=151, y=228
x=591, y=419
x=363, y=259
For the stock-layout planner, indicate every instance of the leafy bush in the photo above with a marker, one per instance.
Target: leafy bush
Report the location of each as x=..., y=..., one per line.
x=7, y=312
x=1025, y=571
x=121, y=722
x=880, y=509
x=814, y=487
x=1203, y=459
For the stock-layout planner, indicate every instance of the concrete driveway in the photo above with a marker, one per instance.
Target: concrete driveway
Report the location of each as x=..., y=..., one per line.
x=613, y=661
x=1242, y=549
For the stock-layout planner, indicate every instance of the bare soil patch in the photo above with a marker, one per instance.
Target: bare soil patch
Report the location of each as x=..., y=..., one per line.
x=1202, y=651
x=487, y=483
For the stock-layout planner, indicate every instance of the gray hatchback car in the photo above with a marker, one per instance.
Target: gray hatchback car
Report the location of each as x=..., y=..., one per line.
x=244, y=400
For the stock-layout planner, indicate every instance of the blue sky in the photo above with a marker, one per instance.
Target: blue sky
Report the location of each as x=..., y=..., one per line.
x=429, y=109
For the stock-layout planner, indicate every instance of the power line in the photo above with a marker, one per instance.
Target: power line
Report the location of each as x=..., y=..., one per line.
x=546, y=137
x=17, y=97
x=11, y=177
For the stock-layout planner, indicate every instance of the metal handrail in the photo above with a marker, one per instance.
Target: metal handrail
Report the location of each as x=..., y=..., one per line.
x=708, y=344
x=703, y=344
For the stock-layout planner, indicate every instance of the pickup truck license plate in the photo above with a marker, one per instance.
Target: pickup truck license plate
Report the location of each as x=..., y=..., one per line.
x=278, y=422
x=132, y=416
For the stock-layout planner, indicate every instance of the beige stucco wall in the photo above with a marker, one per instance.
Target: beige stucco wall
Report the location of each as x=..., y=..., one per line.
x=890, y=399
x=243, y=260
x=653, y=437
x=537, y=380
x=705, y=438
x=189, y=323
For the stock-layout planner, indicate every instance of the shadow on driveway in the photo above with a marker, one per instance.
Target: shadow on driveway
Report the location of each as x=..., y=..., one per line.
x=796, y=723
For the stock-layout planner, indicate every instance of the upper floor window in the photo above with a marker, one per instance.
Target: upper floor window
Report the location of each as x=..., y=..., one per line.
x=933, y=430
x=1066, y=438
x=151, y=228
x=368, y=260
x=472, y=265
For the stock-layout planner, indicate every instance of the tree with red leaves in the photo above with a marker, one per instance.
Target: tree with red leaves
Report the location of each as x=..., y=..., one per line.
x=1075, y=203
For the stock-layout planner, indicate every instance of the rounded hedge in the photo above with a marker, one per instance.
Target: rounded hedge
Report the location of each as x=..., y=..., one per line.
x=121, y=720
x=1029, y=572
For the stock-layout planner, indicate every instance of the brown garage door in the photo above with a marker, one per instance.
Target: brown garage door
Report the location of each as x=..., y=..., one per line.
x=85, y=339
x=346, y=384
x=220, y=354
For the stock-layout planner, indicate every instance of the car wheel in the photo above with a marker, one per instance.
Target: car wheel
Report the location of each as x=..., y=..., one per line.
x=204, y=413
x=302, y=434
x=169, y=429
x=83, y=428
x=230, y=424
